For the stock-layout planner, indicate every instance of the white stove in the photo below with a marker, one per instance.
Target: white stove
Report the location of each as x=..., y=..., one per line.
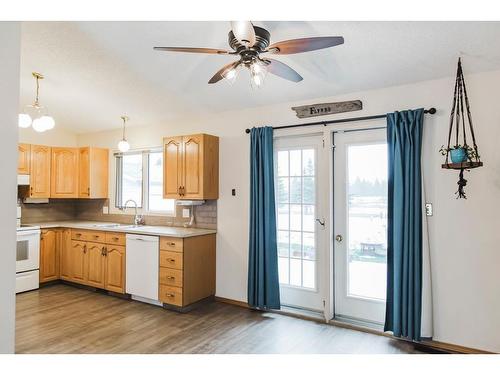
x=27, y=258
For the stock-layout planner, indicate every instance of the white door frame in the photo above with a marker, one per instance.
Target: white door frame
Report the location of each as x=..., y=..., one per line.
x=322, y=188
x=366, y=308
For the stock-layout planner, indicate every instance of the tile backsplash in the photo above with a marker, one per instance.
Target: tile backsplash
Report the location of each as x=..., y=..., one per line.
x=92, y=209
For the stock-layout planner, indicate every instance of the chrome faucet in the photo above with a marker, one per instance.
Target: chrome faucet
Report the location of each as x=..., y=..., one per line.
x=138, y=219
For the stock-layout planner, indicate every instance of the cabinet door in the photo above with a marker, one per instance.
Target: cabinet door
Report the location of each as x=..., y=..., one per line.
x=64, y=173
x=49, y=257
x=40, y=172
x=95, y=264
x=65, y=254
x=84, y=173
x=172, y=167
x=115, y=268
x=23, y=161
x=192, y=167
x=78, y=261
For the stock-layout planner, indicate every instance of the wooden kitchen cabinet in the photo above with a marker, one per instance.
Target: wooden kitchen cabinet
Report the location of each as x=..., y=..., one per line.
x=23, y=159
x=115, y=268
x=78, y=261
x=96, y=264
x=93, y=172
x=191, y=167
x=187, y=270
x=39, y=172
x=64, y=172
x=96, y=259
x=65, y=254
x=49, y=255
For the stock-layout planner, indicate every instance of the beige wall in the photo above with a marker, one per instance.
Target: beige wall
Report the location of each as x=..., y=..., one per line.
x=464, y=234
x=9, y=102
x=55, y=137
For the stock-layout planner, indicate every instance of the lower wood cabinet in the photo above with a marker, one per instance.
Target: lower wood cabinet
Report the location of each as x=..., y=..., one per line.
x=187, y=269
x=96, y=264
x=115, y=268
x=99, y=264
x=49, y=255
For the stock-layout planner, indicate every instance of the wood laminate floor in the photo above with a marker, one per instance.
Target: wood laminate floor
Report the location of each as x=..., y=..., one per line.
x=64, y=319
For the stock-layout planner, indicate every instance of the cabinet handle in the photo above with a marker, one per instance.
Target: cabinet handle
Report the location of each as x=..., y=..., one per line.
x=88, y=191
x=170, y=295
x=78, y=234
x=116, y=238
x=84, y=249
x=171, y=260
x=171, y=243
x=171, y=277
x=31, y=190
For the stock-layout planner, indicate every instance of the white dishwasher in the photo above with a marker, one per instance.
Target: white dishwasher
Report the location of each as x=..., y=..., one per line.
x=142, y=268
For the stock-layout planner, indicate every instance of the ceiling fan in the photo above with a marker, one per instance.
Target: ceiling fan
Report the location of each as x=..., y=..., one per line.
x=249, y=42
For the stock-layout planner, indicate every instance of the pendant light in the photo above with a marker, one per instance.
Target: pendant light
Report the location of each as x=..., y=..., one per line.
x=123, y=145
x=35, y=114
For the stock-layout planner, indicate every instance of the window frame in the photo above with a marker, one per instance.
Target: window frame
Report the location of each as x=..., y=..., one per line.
x=144, y=209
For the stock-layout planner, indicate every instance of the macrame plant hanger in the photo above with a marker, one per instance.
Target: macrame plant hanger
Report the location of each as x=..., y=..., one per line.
x=463, y=156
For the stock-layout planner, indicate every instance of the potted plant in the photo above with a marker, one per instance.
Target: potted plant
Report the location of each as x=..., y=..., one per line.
x=459, y=153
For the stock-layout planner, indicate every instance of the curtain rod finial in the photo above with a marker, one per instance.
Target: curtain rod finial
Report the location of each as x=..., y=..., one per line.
x=247, y=131
x=432, y=110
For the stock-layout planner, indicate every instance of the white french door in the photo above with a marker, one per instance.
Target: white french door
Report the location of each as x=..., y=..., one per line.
x=300, y=221
x=360, y=224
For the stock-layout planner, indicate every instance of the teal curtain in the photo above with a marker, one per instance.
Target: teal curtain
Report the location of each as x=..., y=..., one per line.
x=263, y=282
x=404, y=229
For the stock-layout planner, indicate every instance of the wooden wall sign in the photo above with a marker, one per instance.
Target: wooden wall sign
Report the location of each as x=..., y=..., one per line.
x=327, y=108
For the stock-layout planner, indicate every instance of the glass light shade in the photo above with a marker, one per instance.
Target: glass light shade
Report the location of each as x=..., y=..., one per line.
x=48, y=122
x=40, y=124
x=232, y=74
x=24, y=120
x=258, y=73
x=123, y=145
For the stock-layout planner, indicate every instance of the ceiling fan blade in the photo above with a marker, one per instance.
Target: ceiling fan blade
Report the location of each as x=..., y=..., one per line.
x=244, y=32
x=282, y=70
x=192, y=50
x=220, y=74
x=288, y=47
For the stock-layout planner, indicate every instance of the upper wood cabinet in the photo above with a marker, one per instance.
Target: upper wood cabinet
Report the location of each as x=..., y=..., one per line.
x=64, y=173
x=39, y=172
x=191, y=167
x=93, y=172
x=23, y=161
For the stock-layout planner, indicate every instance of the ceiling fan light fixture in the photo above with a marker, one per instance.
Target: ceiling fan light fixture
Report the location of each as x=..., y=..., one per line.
x=231, y=75
x=258, y=72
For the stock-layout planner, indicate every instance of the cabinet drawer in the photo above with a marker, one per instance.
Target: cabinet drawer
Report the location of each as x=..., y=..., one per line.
x=171, y=295
x=169, y=276
x=96, y=236
x=78, y=235
x=115, y=238
x=171, y=259
x=171, y=244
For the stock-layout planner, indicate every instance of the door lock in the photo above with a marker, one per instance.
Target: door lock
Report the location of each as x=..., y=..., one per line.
x=338, y=238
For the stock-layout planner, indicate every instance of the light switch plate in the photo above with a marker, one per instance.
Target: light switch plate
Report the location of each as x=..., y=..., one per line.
x=185, y=212
x=428, y=209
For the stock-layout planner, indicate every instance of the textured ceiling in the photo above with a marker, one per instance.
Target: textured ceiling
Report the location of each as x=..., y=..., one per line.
x=96, y=71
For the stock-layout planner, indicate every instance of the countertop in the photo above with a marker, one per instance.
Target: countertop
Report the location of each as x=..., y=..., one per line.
x=128, y=228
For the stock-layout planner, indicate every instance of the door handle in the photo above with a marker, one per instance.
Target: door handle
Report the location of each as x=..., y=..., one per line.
x=321, y=222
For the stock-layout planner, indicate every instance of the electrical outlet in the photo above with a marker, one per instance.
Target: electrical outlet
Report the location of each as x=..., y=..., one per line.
x=428, y=209
x=105, y=209
x=185, y=213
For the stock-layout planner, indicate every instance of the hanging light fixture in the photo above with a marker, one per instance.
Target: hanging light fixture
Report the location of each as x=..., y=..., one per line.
x=123, y=145
x=35, y=114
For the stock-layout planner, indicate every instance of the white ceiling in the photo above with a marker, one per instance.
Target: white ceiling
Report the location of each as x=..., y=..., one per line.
x=96, y=71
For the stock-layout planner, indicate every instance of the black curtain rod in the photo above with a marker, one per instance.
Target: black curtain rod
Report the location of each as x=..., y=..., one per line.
x=325, y=123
